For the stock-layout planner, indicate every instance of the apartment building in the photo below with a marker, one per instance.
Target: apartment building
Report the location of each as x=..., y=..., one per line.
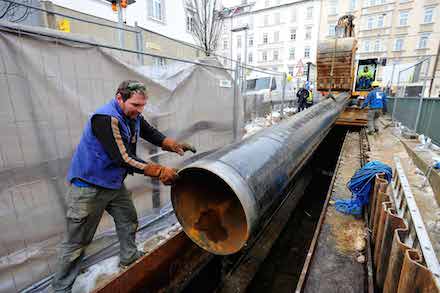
x=399, y=32
x=282, y=34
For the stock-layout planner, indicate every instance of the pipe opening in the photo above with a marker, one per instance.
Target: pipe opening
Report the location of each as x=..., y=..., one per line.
x=209, y=211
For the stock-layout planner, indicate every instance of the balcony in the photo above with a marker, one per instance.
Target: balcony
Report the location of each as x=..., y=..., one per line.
x=374, y=32
x=426, y=27
x=378, y=8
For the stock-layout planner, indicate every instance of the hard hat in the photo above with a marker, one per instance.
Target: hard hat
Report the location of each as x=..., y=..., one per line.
x=289, y=77
x=375, y=84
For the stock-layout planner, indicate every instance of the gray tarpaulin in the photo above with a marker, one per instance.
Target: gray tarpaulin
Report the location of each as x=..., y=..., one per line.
x=49, y=87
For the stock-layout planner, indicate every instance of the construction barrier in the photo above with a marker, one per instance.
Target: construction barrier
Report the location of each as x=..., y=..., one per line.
x=403, y=257
x=406, y=110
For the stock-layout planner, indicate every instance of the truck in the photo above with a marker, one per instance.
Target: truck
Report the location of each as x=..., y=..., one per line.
x=263, y=94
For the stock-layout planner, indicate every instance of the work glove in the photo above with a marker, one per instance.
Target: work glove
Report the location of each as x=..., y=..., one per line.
x=166, y=175
x=171, y=145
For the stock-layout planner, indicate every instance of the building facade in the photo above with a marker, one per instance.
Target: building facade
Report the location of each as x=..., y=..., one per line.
x=400, y=33
x=281, y=36
x=149, y=26
x=167, y=17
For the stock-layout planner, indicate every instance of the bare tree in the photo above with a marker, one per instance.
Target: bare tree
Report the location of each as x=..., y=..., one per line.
x=207, y=23
x=15, y=12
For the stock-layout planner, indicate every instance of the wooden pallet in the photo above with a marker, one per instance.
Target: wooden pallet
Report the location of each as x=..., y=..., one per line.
x=353, y=117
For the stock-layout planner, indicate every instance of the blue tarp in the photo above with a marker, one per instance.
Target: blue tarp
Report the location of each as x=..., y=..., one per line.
x=360, y=186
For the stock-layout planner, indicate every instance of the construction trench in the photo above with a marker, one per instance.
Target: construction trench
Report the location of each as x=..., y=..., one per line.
x=300, y=243
x=274, y=257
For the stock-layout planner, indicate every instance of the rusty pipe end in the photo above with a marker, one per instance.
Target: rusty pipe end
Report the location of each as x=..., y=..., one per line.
x=213, y=204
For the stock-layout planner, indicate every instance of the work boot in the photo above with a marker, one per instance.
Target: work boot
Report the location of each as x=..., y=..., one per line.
x=125, y=265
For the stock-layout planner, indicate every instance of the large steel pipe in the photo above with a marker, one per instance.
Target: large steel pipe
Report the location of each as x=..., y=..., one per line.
x=220, y=200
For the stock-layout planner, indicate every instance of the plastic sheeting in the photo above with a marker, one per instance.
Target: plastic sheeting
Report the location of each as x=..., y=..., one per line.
x=49, y=89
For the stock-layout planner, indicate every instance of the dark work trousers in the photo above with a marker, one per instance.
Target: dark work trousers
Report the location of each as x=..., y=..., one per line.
x=85, y=206
x=301, y=106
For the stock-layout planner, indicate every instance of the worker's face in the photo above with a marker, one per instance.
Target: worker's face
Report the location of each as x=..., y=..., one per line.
x=134, y=105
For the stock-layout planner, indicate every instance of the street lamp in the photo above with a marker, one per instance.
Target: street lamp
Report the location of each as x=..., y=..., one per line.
x=244, y=28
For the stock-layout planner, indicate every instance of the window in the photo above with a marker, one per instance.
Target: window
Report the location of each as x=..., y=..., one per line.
x=403, y=18
x=265, y=38
x=292, y=34
x=366, y=45
x=353, y=4
x=250, y=57
x=290, y=69
x=309, y=12
x=251, y=22
x=305, y=73
x=275, y=55
x=370, y=22
x=276, y=36
x=189, y=22
x=377, y=46
x=277, y=18
x=380, y=20
x=428, y=14
x=398, y=45
x=306, y=52
x=331, y=30
x=156, y=9
x=332, y=7
x=225, y=44
x=238, y=41
x=308, y=35
x=225, y=28
x=423, y=41
x=293, y=15
x=266, y=20
x=251, y=41
x=239, y=58
x=264, y=56
x=277, y=2
x=291, y=53
x=266, y=3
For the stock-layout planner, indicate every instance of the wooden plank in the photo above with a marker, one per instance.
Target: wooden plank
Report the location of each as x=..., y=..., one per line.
x=170, y=264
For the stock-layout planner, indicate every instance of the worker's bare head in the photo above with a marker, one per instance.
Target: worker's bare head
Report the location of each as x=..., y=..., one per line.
x=131, y=96
x=366, y=68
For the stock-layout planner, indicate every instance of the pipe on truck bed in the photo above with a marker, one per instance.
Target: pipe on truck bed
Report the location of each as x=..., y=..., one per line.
x=221, y=199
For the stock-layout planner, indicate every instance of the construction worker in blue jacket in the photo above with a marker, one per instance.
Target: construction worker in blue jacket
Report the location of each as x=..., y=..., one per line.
x=376, y=102
x=104, y=157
